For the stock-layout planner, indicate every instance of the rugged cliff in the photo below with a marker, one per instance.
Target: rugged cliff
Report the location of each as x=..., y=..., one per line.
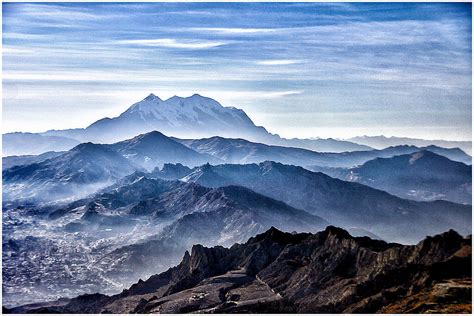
x=326, y=272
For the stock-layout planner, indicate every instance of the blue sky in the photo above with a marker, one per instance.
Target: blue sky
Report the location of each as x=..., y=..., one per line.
x=299, y=69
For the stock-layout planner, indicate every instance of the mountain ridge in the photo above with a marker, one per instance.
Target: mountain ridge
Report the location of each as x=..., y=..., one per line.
x=53, y=178
x=421, y=176
x=230, y=150
x=237, y=150
x=381, y=141
x=266, y=274
x=343, y=203
x=79, y=171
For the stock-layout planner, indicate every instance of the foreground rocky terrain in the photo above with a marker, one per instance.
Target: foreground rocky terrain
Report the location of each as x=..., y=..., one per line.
x=326, y=272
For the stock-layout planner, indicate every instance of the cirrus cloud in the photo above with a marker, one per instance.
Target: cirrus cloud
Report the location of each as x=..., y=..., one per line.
x=279, y=62
x=173, y=43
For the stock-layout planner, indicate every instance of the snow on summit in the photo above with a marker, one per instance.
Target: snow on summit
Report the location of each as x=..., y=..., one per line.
x=180, y=111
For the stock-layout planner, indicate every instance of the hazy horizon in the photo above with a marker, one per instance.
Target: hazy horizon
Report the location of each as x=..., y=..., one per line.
x=325, y=70
x=274, y=132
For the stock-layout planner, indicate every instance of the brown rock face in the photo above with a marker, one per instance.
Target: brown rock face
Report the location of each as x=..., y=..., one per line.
x=327, y=272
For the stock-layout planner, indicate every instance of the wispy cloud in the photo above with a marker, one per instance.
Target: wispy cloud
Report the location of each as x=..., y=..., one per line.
x=230, y=97
x=279, y=94
x=177, y=76
x=63, y=12
x=234, y=30
x=279, y=62
x=24, y=36
x=323, y=56
x=7, y=50
x=174, y=43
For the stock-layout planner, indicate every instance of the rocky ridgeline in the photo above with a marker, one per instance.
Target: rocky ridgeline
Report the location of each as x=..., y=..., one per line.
x=326, y=272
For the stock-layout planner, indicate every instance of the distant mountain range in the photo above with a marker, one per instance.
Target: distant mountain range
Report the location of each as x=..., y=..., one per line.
x=423, y=176
x=343, y=203
x=50, y=176
x=14, y=144
x=195, y=116
x=89, y=167
x=276, y=272
x=217, y=150
x=242, y=151
x=192, y=117
x=380, y=142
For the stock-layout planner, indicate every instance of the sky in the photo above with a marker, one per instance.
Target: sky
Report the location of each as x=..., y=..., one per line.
x=298, y=69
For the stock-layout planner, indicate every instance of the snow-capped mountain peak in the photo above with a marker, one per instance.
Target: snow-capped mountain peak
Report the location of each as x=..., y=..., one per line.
x=183, y=105
x=195, y=112
x=194, y=101
x=146, y=105
x=189, y=117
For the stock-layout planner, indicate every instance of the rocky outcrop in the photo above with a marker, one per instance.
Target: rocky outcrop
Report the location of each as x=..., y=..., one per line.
x=326, y=272
x=171, y=171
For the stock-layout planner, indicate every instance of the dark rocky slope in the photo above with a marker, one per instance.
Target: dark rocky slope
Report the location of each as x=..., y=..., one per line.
x=327, y=272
